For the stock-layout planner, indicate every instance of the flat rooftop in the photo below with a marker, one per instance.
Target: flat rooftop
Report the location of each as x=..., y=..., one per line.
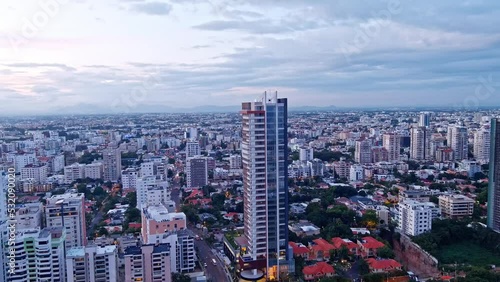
x=160, y=213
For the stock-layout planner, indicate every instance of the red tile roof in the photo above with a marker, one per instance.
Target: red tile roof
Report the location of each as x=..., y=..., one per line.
x=384, y=264
x=298, y=249
x=319, y=269
x=322, y=245
x=339, y=242
x=371, y=243
x=195, y=194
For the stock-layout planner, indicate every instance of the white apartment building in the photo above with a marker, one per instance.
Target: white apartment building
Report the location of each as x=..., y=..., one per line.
x=482, y=143
x=21, y=160
x=37, y=173
x=57, y=163
x=415, y=218
x=93, y=170
x=192, y=149
x=420, y=143
x=147, y=169
x=129, y=178
x=73, y=214
x=357, y=173
x=73, y=172
x=92, y=264
x=299, y=169
x=471, y=167
x=458, y=140
x=235, y=162
x=29, y=216
x=39, y=255
x=81, y=171
x=306, y=154
x=152, y=191
x=456, y=206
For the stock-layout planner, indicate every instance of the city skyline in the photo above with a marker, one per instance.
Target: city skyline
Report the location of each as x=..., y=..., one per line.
x=82, y=54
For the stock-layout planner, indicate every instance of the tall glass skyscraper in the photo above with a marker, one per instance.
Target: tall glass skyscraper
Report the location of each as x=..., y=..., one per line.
x=265, y=179
x=494, y=178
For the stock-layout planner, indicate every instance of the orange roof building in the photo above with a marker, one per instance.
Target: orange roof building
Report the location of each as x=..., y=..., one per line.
x=383, y=265
x=317, y=271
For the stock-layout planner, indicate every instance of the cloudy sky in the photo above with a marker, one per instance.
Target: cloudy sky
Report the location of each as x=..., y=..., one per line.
x=126, y=55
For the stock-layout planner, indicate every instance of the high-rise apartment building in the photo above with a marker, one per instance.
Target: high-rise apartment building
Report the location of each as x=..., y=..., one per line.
x=363, y=152
x=112, y=161
x=458, y=140
x=420, y=143
x=494, y=178
x=342, y=169
x=152, y=191
x=306, y=154
x=392, y=143
x=36, y=173
x=192, y=149
x=196, y=172
x=356, y=173
x=39, y=255
x=70, y=209
x=482, y=142
x=148, y=263
x=235, y=162
x=92, y=264
x=265, y=180
x=129, y=178
x=424, y=119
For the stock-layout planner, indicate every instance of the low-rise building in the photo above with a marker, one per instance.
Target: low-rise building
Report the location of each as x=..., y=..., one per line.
x=304, y=228
x=456, y=206
x=383, y=265
x=318, y=271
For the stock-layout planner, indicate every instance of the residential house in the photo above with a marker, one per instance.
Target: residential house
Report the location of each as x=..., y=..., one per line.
x=369, y=246
x=320, y=249
x=299, y=250
x=352, y=247
x=318, y=271
x=383, y=265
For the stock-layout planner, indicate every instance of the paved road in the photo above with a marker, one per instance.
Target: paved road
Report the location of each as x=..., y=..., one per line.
x=215, y=273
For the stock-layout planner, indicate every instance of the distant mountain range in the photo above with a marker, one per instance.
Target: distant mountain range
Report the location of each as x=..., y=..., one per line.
x=101, y=109
x=92, y=109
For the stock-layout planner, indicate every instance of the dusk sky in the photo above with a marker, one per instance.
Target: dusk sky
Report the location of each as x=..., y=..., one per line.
x=132, y=54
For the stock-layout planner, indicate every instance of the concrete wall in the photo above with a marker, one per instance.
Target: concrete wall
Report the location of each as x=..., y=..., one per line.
x=415, y=259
